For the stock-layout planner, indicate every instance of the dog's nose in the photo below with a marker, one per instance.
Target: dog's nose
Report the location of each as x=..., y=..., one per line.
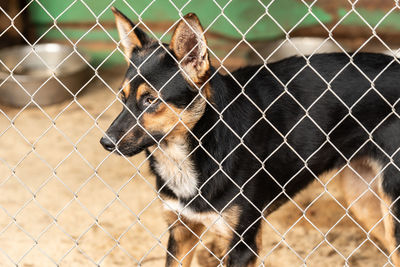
x=108, y=142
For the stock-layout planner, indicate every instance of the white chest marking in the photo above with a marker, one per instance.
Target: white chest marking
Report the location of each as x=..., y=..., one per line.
x=212, y=220
x=174, y=166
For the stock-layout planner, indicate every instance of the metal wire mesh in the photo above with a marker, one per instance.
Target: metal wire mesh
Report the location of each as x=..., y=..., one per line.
x=74, y=202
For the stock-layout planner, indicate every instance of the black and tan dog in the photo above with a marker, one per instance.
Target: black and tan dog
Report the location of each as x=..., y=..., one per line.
x=228, y=150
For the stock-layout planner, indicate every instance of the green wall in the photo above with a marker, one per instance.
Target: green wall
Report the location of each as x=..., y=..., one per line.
x=76, y=20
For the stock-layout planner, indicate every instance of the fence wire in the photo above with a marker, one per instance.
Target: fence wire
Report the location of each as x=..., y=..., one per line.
x=81, y=208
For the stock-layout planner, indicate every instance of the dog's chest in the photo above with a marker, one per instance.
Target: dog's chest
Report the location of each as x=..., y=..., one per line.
x=220, y=223
x=173, y=164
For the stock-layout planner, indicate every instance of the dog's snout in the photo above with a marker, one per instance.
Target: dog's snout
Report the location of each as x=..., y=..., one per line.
x=108, y=142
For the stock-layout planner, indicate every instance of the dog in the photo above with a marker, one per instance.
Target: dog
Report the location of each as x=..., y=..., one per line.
x=228, y=150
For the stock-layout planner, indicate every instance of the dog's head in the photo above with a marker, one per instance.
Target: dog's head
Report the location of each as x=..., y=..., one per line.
x=163, y=86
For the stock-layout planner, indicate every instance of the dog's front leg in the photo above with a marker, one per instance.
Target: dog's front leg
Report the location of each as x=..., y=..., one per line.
x=183, y=239
x=245, y=245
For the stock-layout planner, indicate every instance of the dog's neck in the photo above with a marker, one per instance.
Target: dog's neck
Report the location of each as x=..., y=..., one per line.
x=185, y=162
x=217, y=116
x=174, y=166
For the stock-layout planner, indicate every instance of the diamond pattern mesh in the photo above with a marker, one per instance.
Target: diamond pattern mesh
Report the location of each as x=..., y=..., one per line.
x=65, y=201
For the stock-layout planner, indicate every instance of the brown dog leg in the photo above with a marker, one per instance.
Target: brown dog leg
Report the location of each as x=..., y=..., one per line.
x=183, y=239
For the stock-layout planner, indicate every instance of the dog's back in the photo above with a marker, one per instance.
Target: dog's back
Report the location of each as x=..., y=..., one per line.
x=297, y=120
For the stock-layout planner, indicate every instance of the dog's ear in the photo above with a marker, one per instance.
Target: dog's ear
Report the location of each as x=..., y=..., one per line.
x=130, y=35
x=190, y=47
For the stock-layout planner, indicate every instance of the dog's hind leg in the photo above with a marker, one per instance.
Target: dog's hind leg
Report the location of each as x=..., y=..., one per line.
x=370, y=192
x=183, y=239
x=392, y=227
x=360, y=186
x=390, y=194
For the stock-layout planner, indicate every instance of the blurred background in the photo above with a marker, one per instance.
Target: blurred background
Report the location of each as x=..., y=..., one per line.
x=89, y=25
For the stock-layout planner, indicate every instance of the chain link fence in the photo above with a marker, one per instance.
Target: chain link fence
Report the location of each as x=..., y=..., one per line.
x=65, y=201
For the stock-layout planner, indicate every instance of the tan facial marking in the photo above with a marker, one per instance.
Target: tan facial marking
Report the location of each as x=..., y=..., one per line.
x=126, y=88
x=143, y=89
x=167, y=116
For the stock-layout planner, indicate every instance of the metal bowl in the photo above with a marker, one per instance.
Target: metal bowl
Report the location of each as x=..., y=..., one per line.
x=44, y=73
x=280, y=49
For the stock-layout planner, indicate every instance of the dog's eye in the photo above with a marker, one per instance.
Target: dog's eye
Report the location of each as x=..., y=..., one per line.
x=149, y=100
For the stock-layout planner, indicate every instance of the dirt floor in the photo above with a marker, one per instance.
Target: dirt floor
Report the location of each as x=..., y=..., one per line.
x=65, y=200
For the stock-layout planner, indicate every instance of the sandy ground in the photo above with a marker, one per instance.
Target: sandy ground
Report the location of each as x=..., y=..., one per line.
x=64, y=200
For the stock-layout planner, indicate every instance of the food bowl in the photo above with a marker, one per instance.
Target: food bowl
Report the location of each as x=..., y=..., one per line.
x=280, y=49
x=44, y=74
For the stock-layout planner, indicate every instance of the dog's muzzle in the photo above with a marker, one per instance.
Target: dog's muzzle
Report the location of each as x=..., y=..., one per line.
x=108, y=143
